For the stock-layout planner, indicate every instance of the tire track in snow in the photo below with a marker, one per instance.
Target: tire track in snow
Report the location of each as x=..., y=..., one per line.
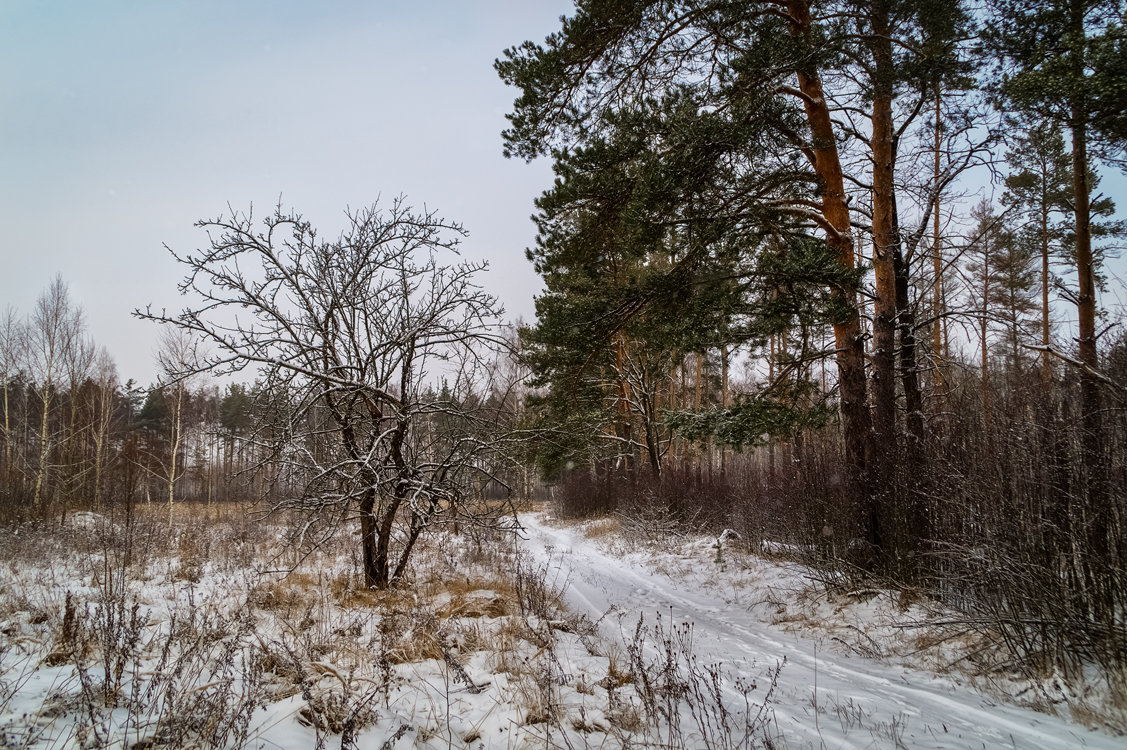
x=859, y=702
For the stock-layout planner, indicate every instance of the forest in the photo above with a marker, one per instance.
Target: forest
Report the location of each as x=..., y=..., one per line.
x=837, y=280
x=777, y=301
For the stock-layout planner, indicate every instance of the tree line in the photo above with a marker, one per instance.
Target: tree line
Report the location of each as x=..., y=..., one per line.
x=75, y=437
x=383, y=391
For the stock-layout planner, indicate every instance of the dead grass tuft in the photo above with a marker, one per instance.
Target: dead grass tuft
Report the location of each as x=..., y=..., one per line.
x=477, y=604
x=297, y=591
x=587, y=725
x=416, y=647
x=616, y=677
x=602, y=527
x=509, y=649
x=68, y=646
x=908, y=596
x=347, y=591
x=626, y=717
x=1110, y=716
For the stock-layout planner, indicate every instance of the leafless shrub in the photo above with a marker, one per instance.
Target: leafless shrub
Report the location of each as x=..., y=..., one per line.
x=539, y=591
x=201, y=689
x=671, y=682
x=192, y=673
x=335, y=702
x=17, y=667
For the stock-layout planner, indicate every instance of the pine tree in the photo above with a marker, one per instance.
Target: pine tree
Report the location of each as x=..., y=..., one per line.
x=1039, y=186
x=1013, y=292
x=1061, y=61
x=653, y=254
x=901, y=54
x=757, y=65
x=982, y=253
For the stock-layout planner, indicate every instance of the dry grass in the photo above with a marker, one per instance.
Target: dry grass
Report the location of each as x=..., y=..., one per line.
x=601, y=528
x=196, y=637
x=477, y=602
x=295, y=592
x=510, y=652
x=616, y=676
x=1110, y=715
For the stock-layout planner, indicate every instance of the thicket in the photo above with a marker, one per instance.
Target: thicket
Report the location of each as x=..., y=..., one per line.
x=1000, y=493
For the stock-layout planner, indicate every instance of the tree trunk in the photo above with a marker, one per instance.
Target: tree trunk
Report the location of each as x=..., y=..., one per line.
x=909, y=371
x=849, y=342
x=44, y=444
x=984, y=365
x=9, y=478
x=624, y=427
x=373, y=576
x=105, y=413
x=418, y=523
x=1092, y=441
x=174, y=444
x=771, y=380
x=939, y=352
x=1046, y=358
x=885, y=247
x=724, y=404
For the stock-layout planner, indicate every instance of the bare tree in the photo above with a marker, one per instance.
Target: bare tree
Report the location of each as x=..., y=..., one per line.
x=11, y=342
x=54, y=334
x=178, y=357
x=105, y=393
x=78, y=361
x=370, y=354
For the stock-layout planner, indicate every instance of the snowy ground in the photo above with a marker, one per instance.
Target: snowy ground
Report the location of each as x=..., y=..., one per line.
x=851, y=676
x=215, y=632
x=199, y=637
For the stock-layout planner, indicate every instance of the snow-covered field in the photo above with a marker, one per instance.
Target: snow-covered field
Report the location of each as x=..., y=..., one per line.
x=216, y=632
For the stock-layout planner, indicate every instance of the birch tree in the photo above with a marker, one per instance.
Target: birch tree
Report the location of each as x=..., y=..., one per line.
x=11, y=342
x=53, y=332
x=177, y=357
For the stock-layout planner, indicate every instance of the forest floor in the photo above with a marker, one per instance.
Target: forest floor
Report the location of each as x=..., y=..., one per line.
x=215, y=629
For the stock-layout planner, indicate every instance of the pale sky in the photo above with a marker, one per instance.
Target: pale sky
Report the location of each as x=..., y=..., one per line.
x=122, y=123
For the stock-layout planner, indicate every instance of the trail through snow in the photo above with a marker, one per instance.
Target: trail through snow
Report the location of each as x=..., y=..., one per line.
x=824, y=699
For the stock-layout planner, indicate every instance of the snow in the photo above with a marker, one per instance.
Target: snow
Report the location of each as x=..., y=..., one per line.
x=824, y=697
x=688, y=643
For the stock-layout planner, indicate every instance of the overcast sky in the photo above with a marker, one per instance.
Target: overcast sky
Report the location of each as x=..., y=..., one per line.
x=122, y=123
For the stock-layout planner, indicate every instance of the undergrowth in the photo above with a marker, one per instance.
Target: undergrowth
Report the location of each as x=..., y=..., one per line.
x=210, y=632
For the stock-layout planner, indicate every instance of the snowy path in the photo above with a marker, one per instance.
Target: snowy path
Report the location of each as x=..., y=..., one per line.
x=859, y=703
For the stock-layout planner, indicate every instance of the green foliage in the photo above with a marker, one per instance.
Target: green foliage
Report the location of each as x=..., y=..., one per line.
x=1039, y=187
x=613, y=55
x=689, y=286
x=235, y=410
x=757, y=419
x=1040, y=181
x=931, y=35
x=1062, y=61
x=154, y=415
x=679, y=221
